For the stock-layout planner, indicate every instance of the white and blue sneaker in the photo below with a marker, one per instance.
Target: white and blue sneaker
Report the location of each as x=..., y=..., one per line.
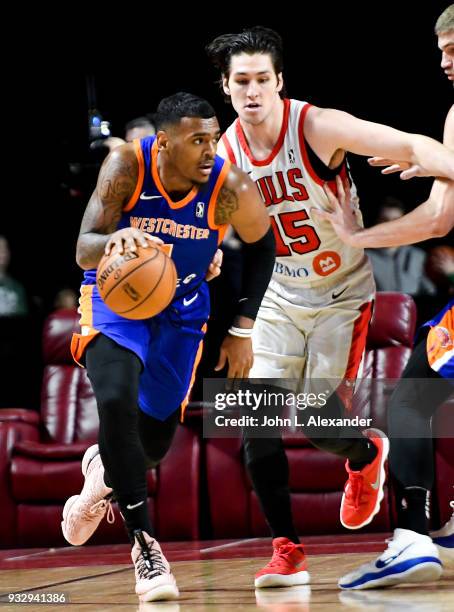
x=444, y=541
x=410, y=557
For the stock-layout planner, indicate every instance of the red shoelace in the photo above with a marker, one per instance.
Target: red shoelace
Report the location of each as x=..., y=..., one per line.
x=353, y=488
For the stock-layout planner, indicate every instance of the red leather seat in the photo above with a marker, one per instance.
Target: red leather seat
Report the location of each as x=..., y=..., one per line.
x=40, y=455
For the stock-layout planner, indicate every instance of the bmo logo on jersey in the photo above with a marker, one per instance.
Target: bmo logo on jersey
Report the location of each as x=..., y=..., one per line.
x=326, y=263
x=280, y=268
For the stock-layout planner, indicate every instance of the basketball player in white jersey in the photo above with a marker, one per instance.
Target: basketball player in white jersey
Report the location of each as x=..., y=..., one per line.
x=314, y=318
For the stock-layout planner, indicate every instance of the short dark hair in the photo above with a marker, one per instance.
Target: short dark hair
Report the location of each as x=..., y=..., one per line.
x=145, y=121
x=251, y=40
x=172, y=109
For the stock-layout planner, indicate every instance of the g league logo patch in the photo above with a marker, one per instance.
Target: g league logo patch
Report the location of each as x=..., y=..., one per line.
x=199, y=209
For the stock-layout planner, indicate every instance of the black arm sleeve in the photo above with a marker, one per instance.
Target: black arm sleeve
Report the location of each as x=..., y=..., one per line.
x=258, y=264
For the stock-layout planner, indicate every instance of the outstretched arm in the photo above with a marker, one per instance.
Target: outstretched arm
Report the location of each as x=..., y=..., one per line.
x=431, y=219
x=407, y=170
x=334, y=130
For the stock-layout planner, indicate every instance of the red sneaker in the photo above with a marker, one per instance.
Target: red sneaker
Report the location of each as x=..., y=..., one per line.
x=363, y=491
x=286, y=568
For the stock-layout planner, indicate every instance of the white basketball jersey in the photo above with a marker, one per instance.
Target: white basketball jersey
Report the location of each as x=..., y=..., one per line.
x=308, y=251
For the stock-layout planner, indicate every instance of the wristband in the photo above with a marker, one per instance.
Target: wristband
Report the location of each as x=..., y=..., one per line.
x=240, y=332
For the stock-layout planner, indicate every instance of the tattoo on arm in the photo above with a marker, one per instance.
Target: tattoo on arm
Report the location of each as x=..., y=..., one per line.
x=227, y=203
x=116, y=183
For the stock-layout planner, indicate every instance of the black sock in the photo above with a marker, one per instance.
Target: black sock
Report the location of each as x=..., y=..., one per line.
x=136, y=517
x=362, y=453
x=346, y=441
x=411, y=509
x=269, y=474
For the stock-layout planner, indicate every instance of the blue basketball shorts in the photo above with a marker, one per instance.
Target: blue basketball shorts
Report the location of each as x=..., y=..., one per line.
x=169, y=345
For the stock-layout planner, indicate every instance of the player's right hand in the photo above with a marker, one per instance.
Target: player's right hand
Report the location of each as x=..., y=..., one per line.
x=237, y=352
x=128, y=239
x=407, y=170
x=214, y=269
x=342, y=215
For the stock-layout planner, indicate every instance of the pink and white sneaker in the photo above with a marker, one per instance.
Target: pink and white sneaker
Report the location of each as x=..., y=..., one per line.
x=82, y=513
x=154, y=579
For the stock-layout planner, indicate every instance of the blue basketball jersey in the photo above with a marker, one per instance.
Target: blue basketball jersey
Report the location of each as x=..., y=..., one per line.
x=187, y=226
x=169, y=345
x=440, y=342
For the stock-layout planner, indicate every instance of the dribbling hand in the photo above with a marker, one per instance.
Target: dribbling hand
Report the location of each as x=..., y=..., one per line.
x=128, y=239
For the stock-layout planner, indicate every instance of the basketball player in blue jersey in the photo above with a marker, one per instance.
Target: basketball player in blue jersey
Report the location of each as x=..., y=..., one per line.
x=313, y=320
x=170, y=188
x=413, y=554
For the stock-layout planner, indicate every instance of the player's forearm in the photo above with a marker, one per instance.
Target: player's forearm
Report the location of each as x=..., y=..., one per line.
x=433, y=156
x=421, y=224
x=90, y=249
x=244, y=322
x=258, y=264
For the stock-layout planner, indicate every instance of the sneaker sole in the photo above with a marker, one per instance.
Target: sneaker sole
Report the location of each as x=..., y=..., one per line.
x=381, y=493
x=281, y=580
x=67, y=507
x=424, y=572
x=164, y=592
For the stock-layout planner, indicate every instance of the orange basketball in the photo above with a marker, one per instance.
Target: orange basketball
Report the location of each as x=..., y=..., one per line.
x=137, y=284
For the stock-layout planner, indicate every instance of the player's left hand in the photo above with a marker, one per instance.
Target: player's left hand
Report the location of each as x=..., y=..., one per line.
x=238, y=353
x=214, y=269
x=342, y=215
x=407, y=170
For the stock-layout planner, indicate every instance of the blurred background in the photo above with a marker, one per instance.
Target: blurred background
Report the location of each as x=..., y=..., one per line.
x=378, y=61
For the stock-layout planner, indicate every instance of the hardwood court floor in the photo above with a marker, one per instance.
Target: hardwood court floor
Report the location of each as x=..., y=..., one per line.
x=213, y=576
